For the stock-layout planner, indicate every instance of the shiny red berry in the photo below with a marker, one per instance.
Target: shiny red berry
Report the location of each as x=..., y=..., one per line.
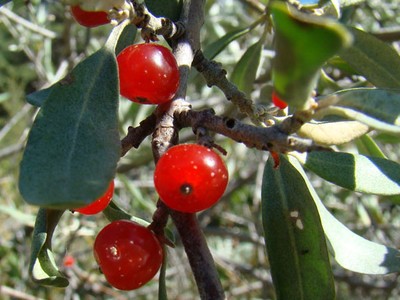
x=100, y=204
x=278, y=102
x=148, y=73
x=89, y=18
x=128, y=254
x=190, y=178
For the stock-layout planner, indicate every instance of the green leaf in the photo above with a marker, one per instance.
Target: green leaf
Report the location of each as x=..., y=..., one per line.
x=126, y=38
x=367, y=146
x=213, y=49
x=381, y=104
x=350, y=250
x=356, y=172
x=294, y=237
x=303, y=43
x=245, y=71
x=73, y=147
x=37, y=98
x=333, y=133
x=165, y=8
x=377, y=108
x=374, y=59
x=42, y=267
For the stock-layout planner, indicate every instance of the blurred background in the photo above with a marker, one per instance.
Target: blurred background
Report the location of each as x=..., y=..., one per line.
x=40, y=43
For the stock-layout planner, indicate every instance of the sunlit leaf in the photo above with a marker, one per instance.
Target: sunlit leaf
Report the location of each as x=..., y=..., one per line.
x=333, y=133
x=356, y=172
x=294, y=237
x=377, y=108
x=42, y=267
x=350, y=250
x=382, y=104
x=367, y=146
x=245, y=70
x=73, y=147
x=374, y=59
x=303, y=43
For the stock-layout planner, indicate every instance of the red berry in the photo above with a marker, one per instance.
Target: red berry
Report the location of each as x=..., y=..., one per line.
x=100, y=204
x=278, y=102
x=89, y=18
x=148, y=73
x=190, y=178
x=68, y=261
x=128, y=254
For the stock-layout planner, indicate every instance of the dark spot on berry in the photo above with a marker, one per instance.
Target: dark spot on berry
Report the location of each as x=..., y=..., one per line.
x=142, y=100
x=186, y=189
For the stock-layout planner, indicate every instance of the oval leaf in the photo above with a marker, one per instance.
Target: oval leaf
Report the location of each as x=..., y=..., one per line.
x=374, y=59
x=356, y=172
x=333, y=133
x=42, y=267
x=73, y=147
x=350, y=250
x=303, y=43
x=245, y=70
x=294, y=237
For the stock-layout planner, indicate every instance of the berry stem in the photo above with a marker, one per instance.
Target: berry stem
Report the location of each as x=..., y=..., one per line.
x=199, y=255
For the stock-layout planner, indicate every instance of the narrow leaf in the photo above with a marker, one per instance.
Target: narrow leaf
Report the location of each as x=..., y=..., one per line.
x=294, y=237
x=42, y=267
x=367, y=146
x=212, y=50
x=73, y=147
x=374, y=59
x=350, y=250
x=303, y=43
x=356, y=172
x=245, y=70
x=353, y=114
x=382, y=104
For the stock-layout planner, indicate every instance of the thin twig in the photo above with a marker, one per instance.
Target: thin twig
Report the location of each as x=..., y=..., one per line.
x=262, y=138
x=136, y=135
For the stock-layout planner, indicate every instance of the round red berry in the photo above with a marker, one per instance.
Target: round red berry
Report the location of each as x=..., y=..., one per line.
x=148, y=73
x=89, y=18
x=278, y=102
x=100, y=204
x=190, y=178
x=128, y=254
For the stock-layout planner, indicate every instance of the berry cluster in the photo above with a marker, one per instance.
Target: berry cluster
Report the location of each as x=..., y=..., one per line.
x=188, y=178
